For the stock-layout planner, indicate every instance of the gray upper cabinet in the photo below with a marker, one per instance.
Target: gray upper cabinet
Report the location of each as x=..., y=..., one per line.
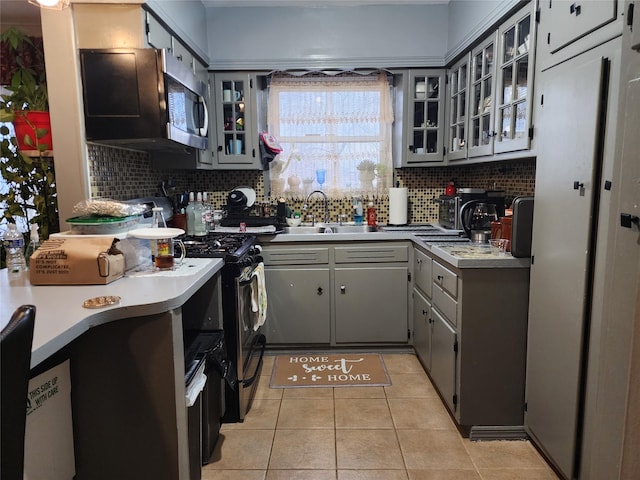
x=236, y=137
x=458, y=82
x=482, y=93
x=571, y=20
x=157, y=36
x=514, y=87
x=490, y=93
x=423, y=142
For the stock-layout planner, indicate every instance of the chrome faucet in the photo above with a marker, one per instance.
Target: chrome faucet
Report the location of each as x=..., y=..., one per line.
x=326, y=204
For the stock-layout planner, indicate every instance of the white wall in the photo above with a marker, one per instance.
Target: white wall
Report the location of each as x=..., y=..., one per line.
x=468, y=19
x=346, y=37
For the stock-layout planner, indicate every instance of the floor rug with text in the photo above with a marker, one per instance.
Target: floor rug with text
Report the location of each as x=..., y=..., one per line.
x=329, y=370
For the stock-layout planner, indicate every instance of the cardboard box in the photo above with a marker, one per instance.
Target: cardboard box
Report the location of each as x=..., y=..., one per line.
x=76, y=261
x=48, y=442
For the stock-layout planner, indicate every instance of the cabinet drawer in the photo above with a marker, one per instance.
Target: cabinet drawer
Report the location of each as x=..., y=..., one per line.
x=372, y=254
x=423, y=272
x=295, y=256
x=447, y=305
x=446, y=279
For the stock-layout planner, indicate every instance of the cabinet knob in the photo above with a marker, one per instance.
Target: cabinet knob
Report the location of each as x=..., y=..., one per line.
x=577, y=185
x=424, y=312
x=320, y=291
x=440, y=278
x=343, y=289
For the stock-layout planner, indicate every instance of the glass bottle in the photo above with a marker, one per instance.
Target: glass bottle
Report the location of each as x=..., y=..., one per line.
x=372, y=215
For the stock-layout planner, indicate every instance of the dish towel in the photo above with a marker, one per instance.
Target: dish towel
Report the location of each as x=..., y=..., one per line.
x=258, y=296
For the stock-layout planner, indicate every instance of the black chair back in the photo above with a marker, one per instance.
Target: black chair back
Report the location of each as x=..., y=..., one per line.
x=15, y=364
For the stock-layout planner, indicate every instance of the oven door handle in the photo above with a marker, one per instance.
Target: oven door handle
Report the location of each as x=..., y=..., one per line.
x=262, y=341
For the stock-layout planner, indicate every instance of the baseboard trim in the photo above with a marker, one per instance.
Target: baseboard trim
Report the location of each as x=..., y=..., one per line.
x=498, y=432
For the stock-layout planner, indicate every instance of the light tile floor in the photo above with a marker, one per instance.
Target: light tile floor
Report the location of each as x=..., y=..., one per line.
x=401, y=432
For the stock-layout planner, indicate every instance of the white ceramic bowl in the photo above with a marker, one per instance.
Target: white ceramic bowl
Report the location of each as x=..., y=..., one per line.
x=294, y=222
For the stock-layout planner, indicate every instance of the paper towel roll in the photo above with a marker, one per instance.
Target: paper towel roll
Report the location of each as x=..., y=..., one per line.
x=398, y=207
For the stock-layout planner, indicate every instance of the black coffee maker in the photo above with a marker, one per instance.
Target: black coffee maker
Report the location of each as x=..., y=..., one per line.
x=490, y=198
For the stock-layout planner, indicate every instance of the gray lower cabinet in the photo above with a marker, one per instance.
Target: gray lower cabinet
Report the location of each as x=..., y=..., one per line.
x=299, y=307
x=371, y=304
x=337, y=293
x=422, y=328
x=298, y=294
x=444, y=346
x=422, y=271
x=471, y=338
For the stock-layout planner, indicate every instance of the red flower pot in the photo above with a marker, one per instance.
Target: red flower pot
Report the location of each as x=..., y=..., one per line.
x=32, y=129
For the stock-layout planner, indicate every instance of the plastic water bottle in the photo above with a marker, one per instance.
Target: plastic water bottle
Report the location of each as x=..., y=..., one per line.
x=191, y=219
x=34, y=242
x=14, y=245
x=358, y=210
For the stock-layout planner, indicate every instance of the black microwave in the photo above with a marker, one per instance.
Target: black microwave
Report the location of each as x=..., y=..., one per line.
x=143, y=99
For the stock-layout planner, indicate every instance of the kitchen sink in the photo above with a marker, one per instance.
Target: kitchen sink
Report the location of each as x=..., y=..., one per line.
x=303, y=229
x=351, y=228
x=329, y=228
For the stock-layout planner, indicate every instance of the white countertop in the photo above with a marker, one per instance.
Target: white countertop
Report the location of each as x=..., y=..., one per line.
x=460, y=255
x=61, y=318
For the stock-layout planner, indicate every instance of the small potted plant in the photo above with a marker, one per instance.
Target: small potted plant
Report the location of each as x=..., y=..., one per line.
x=384, y=174
x=26, y=104
x=366, y=169
x=30, y=196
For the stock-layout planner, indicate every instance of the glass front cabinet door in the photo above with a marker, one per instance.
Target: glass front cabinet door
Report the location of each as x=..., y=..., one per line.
x=514, y=83
x=235, y=130
x=481, y=118
x=458, y=104
x=424, y=135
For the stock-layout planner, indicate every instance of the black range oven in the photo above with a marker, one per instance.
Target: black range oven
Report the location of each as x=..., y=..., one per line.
x=243, y=333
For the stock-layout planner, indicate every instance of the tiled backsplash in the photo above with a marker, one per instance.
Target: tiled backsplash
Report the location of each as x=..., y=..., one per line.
x=124, y=174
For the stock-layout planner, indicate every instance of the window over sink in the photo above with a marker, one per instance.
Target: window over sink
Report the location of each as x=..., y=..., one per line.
x=335, y=131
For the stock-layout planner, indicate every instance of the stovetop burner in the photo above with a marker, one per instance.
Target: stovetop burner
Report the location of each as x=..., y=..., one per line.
x=232, y=247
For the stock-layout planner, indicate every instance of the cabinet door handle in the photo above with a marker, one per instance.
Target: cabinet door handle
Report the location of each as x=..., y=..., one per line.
x=320, y=291
x=627, y=220
x=343, y=289
x=440, y=278
x=575, y=9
